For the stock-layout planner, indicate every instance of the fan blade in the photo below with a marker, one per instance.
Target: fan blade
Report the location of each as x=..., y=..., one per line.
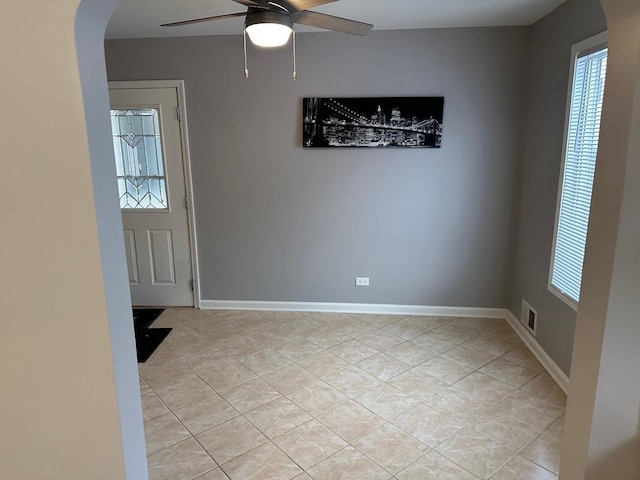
x=298, y=5
x=203, y=19
x=249, y=3
x=329, y=22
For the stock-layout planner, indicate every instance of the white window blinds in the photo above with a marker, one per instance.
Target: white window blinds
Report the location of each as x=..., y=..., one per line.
x=579, y=167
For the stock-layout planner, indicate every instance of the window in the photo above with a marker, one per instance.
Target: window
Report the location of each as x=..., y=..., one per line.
x=139, y=166
x=582, y=130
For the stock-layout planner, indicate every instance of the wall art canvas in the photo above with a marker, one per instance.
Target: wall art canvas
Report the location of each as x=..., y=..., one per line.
x=388, y=122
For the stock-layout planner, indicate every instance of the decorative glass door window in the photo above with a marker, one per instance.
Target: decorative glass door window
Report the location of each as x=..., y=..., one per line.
x=139, y=163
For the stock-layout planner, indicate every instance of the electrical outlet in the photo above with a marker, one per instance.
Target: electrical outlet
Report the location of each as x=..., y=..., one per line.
x=362, y=281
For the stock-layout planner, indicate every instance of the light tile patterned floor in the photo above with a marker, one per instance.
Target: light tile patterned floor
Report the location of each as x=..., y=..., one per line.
x=288, y=395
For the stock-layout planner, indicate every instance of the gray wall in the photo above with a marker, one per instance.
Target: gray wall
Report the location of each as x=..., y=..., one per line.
x=548, y=72
x=280, y=223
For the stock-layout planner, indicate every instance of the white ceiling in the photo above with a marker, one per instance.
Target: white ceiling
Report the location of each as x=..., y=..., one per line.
x=142, y=18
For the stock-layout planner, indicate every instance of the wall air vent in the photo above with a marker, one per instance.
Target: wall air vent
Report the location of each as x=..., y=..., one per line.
x=529, y=317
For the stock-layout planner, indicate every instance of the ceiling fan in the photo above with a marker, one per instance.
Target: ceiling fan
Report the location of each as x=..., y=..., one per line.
x=270, y=23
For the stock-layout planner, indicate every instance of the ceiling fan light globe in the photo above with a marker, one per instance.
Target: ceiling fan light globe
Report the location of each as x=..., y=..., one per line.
x=268, y=34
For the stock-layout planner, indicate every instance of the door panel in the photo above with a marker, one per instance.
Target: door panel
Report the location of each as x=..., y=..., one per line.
x=161, y=261
x=132, y=259
x=151, y=185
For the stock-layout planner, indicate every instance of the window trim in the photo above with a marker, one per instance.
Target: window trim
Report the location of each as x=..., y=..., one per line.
x=578, y=50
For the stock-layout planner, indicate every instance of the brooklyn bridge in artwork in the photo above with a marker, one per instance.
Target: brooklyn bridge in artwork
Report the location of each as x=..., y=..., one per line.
x=373, y=122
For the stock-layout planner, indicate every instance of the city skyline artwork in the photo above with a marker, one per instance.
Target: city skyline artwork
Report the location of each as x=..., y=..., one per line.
x=385, y=122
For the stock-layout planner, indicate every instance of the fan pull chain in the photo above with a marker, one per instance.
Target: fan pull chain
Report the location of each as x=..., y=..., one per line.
x=295, y=71
x=246, y=65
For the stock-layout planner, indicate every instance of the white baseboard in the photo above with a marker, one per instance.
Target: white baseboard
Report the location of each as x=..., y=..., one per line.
x=354, y=308
x=550, y=366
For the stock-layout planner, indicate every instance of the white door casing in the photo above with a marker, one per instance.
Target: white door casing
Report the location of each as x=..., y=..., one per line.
x=159, y=241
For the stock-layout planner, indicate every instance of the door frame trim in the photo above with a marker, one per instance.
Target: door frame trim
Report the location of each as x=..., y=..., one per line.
x=178, y=85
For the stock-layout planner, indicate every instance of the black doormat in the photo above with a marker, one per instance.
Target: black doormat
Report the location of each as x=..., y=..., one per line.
x=147, y=339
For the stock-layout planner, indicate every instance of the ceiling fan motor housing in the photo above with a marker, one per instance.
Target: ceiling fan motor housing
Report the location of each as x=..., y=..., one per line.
x=268, y=16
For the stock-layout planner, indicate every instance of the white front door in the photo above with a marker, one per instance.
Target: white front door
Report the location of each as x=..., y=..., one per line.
x=150, y=170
